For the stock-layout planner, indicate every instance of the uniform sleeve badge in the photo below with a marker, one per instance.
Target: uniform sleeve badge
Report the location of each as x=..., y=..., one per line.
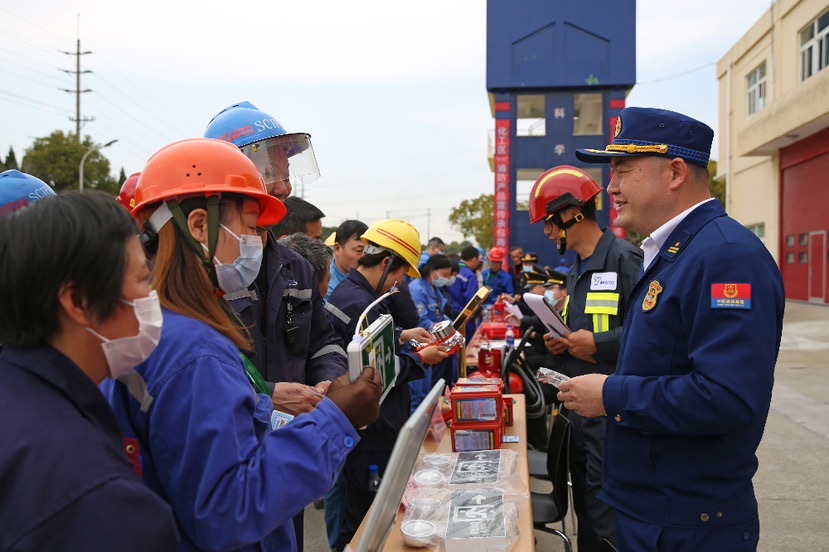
x=649, y=302
x=731, y=296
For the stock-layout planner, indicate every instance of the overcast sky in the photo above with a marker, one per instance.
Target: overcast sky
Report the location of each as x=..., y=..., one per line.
x=393, y=94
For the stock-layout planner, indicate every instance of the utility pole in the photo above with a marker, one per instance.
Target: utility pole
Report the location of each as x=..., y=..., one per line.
x=428, y=224
x=77, y=72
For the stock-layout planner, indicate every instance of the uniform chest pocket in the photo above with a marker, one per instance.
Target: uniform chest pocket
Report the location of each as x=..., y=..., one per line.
x=602, y=305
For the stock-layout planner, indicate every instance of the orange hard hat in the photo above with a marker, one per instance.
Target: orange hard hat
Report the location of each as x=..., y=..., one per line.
x=496, y=255
x=204, y=167
x=126, y=196
x=560, y=187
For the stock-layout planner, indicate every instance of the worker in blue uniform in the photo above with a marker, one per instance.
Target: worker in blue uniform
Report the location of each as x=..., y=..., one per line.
x=295, y=348
x=431, y=306
x=688, y=403
x=391, y=251
x=201, y=412
x=497, y=280
x=599, y=285
x=75, y=308
x=466, y=285
x=283, y=303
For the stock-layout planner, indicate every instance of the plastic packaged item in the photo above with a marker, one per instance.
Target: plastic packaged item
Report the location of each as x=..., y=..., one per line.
x=373, y=478
x=463, y=520
x=418, y=532
x=509, y=336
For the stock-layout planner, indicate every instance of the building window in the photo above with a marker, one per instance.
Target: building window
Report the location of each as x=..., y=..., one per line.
x=756, y=82
x=759, y=230
x=588, y=115
x=804, y=239
x=814, y=47
x=804, y=257
x=531, y=117
x=790, y=240
x=789, y=258
x=525, y=179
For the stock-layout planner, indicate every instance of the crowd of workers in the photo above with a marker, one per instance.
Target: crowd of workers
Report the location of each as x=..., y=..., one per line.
x=173, y=372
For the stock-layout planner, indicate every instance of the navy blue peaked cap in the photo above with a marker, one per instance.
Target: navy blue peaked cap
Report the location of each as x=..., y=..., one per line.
x=649, y=131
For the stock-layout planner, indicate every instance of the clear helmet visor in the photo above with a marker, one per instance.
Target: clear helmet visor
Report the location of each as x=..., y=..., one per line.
x=287, y=157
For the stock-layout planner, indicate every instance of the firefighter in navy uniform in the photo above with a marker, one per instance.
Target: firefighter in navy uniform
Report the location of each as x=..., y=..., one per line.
x=599, y=284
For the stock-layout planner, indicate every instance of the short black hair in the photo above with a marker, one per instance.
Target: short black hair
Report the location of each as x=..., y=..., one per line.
x=470, y=252
x=77, y=238
x=349, y=229
x=435, y=242
x=589, y=209
x=375, y=259
x=435, y=262
x=312, y=250
x=300, y=212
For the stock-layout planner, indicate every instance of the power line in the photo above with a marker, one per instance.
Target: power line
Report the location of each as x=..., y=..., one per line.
x=678, y=74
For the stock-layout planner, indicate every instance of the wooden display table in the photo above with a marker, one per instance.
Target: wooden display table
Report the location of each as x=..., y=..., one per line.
x=526, y=541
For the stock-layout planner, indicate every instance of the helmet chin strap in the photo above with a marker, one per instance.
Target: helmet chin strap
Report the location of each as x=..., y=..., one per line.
x=562, y=238
x=382, y=281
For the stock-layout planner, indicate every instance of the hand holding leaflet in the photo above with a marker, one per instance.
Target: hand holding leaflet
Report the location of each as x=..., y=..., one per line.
x=514, y=310
x=547, y=313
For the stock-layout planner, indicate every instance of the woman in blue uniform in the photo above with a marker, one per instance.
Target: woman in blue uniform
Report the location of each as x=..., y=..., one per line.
x=431, y=306
x=203, y=421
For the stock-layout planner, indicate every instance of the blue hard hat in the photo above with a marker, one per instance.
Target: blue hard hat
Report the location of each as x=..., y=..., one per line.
x=18, y=189
x=265, y=141
x=242, y=124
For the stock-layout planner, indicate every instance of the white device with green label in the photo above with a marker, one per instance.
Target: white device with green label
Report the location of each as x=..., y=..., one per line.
x=374, y=347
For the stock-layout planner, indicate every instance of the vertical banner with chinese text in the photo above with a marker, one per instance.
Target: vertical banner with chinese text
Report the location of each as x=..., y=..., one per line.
x=502, y=184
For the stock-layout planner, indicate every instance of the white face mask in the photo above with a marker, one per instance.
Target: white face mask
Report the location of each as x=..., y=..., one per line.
x=125, y=353
x=239, y=275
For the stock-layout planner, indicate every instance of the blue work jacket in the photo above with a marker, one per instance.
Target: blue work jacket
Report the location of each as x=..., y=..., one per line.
x=689, y=400
x=429, y=302
x=287, y=287
x=208, y=448
x=337, y=276
x=499, y=282
x=66, y=480
x=464, y=288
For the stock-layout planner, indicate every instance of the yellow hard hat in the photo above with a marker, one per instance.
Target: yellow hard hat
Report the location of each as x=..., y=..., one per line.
x=331, y=239
x=399, y=237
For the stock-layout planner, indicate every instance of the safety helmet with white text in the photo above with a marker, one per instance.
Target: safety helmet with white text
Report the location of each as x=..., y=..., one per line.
x=558, y=188
x=18, y=189
x=277, y=154
x=397, y=236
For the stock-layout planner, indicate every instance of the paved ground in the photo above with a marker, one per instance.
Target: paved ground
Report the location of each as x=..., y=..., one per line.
x=793, y=481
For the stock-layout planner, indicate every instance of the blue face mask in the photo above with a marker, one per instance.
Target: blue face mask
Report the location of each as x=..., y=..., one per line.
x=527, y=268
x=551, y=296
x=442, y=282
x=239, y=275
